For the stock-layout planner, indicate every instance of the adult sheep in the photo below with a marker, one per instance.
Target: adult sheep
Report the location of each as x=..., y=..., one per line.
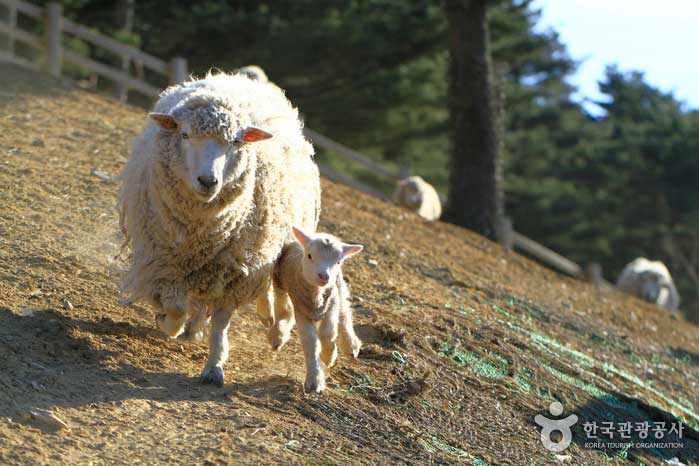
x=207, y=200
x=651, y=281
x=420, y=196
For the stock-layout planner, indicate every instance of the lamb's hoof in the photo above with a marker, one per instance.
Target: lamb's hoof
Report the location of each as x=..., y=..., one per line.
x=329, y=358
x=356, y=347
x=315, y=385
x=212, y=376
x=277, y=339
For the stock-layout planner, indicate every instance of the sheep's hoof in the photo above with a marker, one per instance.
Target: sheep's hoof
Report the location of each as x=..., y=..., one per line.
x=168, y=326
x=212, y=376
x=191, y=335
x=314, y=385
x=277, y=338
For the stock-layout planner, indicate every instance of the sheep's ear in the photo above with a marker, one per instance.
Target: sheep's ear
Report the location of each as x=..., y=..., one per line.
x=351, y=249
x=301, y=236
x=165, y=122
x=252, y=134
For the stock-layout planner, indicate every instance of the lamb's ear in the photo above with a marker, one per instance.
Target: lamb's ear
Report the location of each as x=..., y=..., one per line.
x=252, y=134
x=165, y=122
x=351, y=249
x=301, y=236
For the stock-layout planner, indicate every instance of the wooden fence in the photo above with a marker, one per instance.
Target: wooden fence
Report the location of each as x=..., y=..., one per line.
x=56, y=28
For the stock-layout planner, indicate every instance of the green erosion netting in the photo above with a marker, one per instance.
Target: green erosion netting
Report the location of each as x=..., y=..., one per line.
x=619, y=398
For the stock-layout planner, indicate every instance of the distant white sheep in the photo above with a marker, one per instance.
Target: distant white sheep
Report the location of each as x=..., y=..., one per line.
x=651, y=281
x=309, y=273
x=207, y=200
x=418, y=195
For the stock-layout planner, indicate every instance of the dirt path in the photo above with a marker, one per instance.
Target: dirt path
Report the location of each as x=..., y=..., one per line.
x=464, y=345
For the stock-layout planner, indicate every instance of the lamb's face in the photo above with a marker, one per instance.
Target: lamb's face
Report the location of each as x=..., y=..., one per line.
x=323, y=257
x=322, y=262
x=208, y=162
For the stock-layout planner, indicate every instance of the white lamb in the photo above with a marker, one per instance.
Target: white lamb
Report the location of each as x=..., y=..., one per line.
x=651, y=281
x=207, y=201
x=310, y=274
x=420, y=196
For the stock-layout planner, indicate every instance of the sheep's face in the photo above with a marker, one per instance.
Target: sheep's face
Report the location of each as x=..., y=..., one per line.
x=651, y=288
x=412, y=194
x=323, y=257
x=207, y=163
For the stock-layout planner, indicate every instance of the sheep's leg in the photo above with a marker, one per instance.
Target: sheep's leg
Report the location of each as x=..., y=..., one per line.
x=349, y=342
x=315, y=379
x=198, y=321
x=327, y=331
x=284, y=320
x=264, y=307
x=218, y=347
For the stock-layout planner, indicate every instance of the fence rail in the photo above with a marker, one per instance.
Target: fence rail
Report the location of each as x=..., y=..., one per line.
x=56, y=27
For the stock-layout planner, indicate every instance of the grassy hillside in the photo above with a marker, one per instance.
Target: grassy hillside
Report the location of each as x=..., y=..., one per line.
x=464, y=344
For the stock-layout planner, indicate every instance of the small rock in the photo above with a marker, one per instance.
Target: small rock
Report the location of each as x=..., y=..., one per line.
x=67, y=305
x=102, y=175
x=675, y=462
x=373, y=263
x=37, y=142
x=292, y=443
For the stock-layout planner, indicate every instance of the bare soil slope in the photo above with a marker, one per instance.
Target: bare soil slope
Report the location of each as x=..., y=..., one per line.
x=464, y=344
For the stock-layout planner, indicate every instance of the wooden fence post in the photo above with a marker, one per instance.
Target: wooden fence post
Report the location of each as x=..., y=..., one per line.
x=122, y=90
x=12, y=22
x=594, y=274
x=54, y=49
x=505, y=233
x=178, y=70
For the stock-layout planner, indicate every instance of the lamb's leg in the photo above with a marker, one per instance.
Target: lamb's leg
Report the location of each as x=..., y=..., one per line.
x=218, y=347
x=327, y=331
x=348, y=340
x=264, y=307
x=315, y=379
x=284, y=320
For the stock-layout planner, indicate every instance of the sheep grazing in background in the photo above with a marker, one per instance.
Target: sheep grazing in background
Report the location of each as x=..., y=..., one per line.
x=309, y=273
x=651, y=281
x=418, y=195
x=207, y=200
x=253, y=72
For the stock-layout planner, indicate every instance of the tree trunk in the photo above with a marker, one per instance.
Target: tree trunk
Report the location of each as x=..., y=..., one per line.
x=472, y=185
